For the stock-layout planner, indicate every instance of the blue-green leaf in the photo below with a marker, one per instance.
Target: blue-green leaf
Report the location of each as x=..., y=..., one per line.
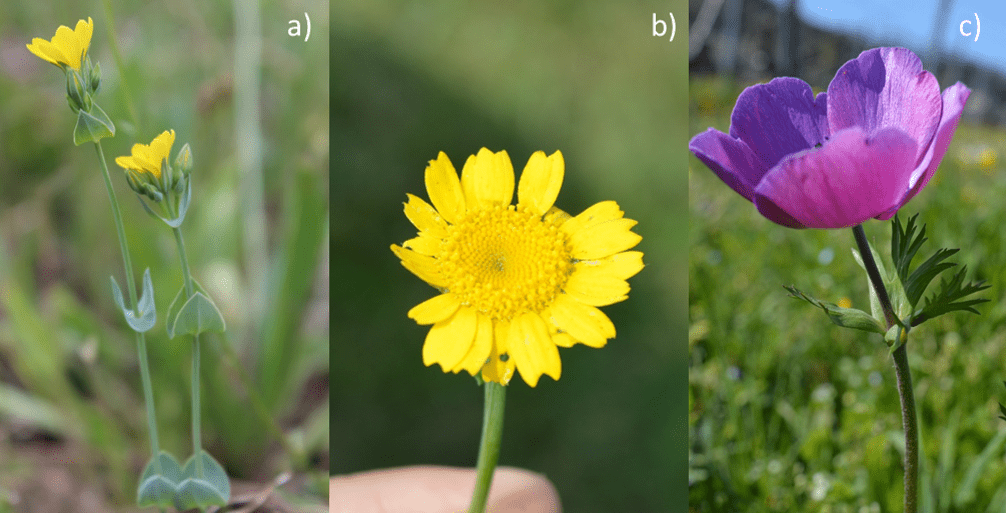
x=159, y=488
x=198, y=315
x=183, y=208
x=145, y=315
x=178, y=302
x=93, y=126
x=213, y=488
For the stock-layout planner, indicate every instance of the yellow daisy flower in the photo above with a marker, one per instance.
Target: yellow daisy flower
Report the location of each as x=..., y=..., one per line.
x=68, y=47
x=147, y=158
x=517, y=281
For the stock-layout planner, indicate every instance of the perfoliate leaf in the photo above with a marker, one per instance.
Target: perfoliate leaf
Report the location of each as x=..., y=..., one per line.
x=950, y=298
x=177, y=304
x=198, y=314
x=159, y=488
x=93, y=126
x=212, y=488
x=844, y=317
x=183, y=208
x=145, y=315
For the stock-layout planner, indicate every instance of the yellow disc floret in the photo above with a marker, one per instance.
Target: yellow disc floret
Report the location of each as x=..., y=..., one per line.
x=504, y=261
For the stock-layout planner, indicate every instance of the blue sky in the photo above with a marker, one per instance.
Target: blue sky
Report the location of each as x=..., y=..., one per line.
x=910, y=24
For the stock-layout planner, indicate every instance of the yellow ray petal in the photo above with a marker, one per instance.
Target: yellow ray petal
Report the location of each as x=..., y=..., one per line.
x=479, y=352
x=424, y=267
x=596, y=288
x=603, y=239
x=487, y=179
x=448, y=341
x=597, y=213
x=532, y=349
x=424, y=217
x=584, y=323
x=444, y=188
x=424, y=244
x=622, y=265
x=435, y=309
x=540, y=181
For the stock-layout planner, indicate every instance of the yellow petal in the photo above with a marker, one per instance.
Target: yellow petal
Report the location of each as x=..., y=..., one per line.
x=435, y=309
x=479, y=352
x=584, y=323
x=603, y=239
x=424, y=217
x=622, y=265
x=424, y=244
x=540, y=181
x=444, y=188
x=487, y=179
x=448, y=341
x=426, y=268
x=47, y=51
x=598, y=213
x=602, y=282
x=497, y=370
x=596, y=288
x=532, y=349
x=563, y=340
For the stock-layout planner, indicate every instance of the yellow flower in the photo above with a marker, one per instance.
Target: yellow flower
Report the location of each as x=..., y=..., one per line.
x=517, y=281
x=147, y=158
x=68, y=47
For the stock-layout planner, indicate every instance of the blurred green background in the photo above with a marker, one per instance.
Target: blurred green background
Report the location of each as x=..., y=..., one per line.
x=415, y=78
x=73, y=434
x=791, y=413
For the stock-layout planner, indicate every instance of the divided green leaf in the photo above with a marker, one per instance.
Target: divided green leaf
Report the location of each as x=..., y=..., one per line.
x=950, y=298
x=845, y=317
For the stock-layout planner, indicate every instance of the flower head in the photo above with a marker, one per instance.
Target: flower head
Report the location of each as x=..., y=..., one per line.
x=68, y=47
x=147, y=158
x=862, y=150
x=517, y=281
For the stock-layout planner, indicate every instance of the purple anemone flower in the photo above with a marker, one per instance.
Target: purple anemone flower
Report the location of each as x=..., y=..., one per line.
x=861, y=150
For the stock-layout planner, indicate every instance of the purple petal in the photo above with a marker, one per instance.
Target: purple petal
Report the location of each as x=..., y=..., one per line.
x=730, y=159
x=779, y=118
x=954, y=98
x=853, y=177
x=886, y=87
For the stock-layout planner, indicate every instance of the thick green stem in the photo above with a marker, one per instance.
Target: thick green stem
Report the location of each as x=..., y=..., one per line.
x=489, y=449
x=197, y=449
x=141, y=343
x=909, y=420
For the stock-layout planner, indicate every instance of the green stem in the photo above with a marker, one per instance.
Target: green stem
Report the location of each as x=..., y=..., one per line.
x=197, y=449
x=141, y=343
x=909, y=420
x=489, y=449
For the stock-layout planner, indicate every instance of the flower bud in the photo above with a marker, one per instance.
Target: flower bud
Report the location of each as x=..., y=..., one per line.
x=94, y=75
x=152, y=192
x=184, y=159
x=74, y=91
x=180, y=184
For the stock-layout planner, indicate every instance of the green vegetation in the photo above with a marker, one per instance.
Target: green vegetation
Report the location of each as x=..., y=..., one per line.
x=789, y=412
x=70, y=397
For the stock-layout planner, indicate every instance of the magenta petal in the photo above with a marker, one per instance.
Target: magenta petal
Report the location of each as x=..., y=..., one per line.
x=779, y=118
x=730, y=159
x=853, y=177
x=886, y=87
x=954, y=99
